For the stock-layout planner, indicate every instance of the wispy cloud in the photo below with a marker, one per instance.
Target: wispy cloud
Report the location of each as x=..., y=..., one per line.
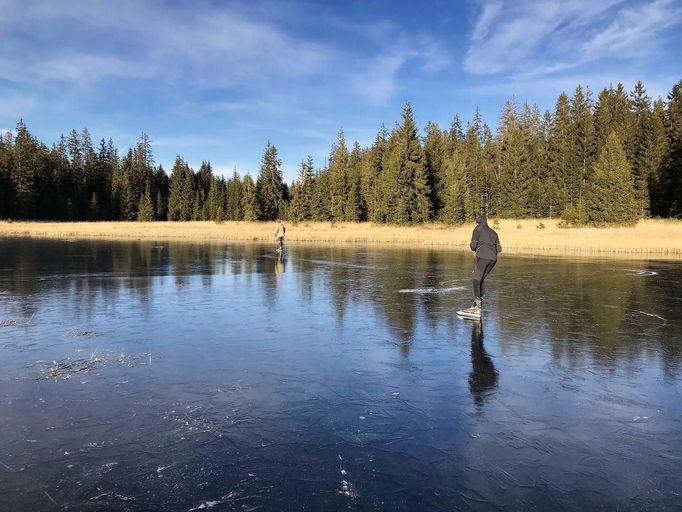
x=634, y=29
x=200, y=44
x=377, y=79
x=529, y=37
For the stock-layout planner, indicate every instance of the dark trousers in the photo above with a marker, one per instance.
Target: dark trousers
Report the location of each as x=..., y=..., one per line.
x=481, y=270
x=280, y=242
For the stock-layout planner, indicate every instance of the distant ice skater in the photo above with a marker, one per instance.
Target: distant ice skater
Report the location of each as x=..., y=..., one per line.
x=279, y=235
x=486, y=244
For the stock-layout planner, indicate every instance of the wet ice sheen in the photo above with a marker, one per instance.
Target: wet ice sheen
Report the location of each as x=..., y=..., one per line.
x=334, y=378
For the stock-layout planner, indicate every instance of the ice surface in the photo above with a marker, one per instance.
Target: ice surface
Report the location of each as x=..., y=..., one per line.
x=334, y=378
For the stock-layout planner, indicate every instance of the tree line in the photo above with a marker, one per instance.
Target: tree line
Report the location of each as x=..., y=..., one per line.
x=615, y=159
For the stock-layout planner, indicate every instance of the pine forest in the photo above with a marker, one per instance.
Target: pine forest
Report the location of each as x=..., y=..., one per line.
x=607, y=160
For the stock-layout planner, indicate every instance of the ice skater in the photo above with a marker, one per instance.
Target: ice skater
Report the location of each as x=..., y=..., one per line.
x=279, y=235
x=486, y=244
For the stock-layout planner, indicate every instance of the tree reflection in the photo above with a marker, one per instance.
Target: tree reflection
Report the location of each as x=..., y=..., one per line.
x=601, y=310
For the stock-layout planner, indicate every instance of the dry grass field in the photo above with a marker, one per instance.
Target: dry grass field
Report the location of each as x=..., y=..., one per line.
x=649, y=239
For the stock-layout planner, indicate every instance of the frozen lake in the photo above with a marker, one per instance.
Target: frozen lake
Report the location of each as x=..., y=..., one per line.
x=179, y=377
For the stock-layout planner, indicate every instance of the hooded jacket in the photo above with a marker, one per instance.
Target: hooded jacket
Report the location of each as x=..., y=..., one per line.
x=279, y=232
x=484, y=240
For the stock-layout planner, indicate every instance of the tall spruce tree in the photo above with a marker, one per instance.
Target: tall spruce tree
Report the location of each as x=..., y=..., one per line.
x=269, y=185
x=369, y=180
x=437, y=149
x=302, y=197
x=476, y=182
x=146, y=207
x=654, y=158
x=6, y=189
x=613, y=113
x=511, y=198
x=250, y=203
x=234, y=197
x=561, y=160
x=214, y=202
x=673, y=166
x=353, y=205
x=610, y=196
x=22, y=172
x=641, y=106
x=534, y=163
x=177, y=200
x=339, y=186
x=413, y=204
x=582, y=130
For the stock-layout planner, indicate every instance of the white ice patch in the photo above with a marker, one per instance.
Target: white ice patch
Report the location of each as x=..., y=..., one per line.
x=652, y=315
x=205, y=505
x=643, y=272
x=432, y=290
x=161, y=469
x=348, y=489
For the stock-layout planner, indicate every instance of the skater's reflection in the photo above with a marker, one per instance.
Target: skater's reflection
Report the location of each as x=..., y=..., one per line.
x=483, y=377
x=279, y=264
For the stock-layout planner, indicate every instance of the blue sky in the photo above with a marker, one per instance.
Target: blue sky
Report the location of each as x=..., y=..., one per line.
x=216, y=80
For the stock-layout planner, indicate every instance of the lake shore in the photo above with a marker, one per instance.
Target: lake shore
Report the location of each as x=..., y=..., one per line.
x=651, y=238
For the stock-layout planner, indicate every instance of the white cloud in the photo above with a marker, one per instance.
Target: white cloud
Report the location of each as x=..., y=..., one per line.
x=633, y=29
x=377, y=80
x=15, y=105
x=202, y=45
x=529, y=37
x=146, y=40
x=487, y=16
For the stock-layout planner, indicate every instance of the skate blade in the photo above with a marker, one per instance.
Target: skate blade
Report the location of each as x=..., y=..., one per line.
x=469, y=316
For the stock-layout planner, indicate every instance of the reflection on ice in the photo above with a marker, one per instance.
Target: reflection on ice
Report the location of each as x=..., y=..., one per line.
x=334, y=378
x=483, y=377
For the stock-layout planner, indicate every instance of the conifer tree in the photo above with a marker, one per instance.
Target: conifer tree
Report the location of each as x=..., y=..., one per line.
x=654, y=158
x=160, y=212
x=338, y=177
x=214, y=202
x=609, y=194
x=25, y=161
x=250, y=204
x=93, y=209
x=146, y=208
x=405, y=168
x=321, y=209
x=198, y=207
x=455, y=191
x=511, y=196
x=269, y=185
x=178, y=200
x=673, y=165
x=369, y=179
x=295, y=210
x=561, y=156
x=353, y=205
x=641, y=106
x=613, y=113
x=393, y=185
x=582, y=130
x=475, y=181
x=234, y=197
x=534, y=163
x=437, y=149
x=302, y=195
x=6, y=189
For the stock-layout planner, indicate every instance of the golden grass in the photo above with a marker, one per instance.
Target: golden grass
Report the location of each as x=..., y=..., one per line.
x=649, y=239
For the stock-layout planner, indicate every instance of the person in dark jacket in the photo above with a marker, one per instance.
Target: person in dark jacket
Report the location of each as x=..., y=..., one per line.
x=486, y=244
